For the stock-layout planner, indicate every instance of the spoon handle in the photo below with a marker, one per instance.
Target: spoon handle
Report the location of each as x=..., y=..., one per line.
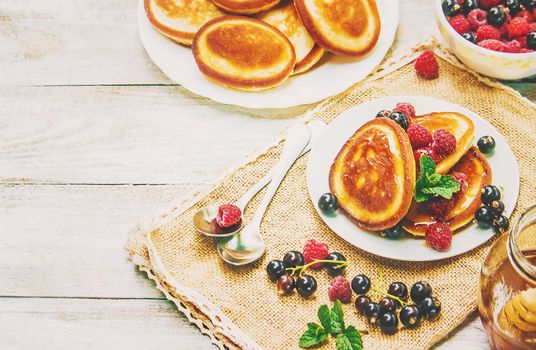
x=297, y=138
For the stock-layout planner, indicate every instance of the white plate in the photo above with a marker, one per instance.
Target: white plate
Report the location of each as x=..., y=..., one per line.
x=329, y=78
x=502, y=162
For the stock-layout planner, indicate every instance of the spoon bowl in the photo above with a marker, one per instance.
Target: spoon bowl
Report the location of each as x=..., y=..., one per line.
x=205, y=223
x=242, y=248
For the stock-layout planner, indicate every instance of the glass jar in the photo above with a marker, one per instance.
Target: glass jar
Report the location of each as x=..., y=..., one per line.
x=507, y=299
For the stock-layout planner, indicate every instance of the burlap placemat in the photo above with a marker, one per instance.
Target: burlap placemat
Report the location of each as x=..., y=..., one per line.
x=239, y=307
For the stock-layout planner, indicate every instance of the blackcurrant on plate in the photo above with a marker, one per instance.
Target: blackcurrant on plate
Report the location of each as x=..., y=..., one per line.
x=406, y=248
x=333, y=75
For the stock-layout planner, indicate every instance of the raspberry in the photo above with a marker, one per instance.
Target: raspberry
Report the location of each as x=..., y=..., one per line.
x=427, y=151
x=503, y=30
x=492, y=44
x=477, y=18
x=487, y=32
x=460, y=23
x=512, y=46
x=339, y=289
x=532, y=26
x=228, y=215
x=487, y=4
x=439, y=207
x=444, y=142
x=439, y=236
x=523, y=50
x=426, y=65
x=517, y=27
x=526, y=15
x=462, y=179
x=406, y=108
x=419, y=136
x=315, y=250
x=522, y=40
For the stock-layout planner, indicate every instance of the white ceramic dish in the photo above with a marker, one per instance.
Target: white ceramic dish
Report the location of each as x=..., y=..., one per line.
x=406, y=248
x=331, y=76
x=500, y=65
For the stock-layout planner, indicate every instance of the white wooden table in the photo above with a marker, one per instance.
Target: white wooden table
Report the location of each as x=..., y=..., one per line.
x=93, y=139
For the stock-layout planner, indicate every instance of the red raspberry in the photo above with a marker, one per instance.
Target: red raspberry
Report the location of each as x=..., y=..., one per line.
x=444, y=142
x=462, y=179
x=504, y=30
x=426, y=151
x=487, y=4
x=523, y=50
x=512, y=46
x=439, y=236
x=315, y=250
x=534, y=12
x=526, y=15
x=406, y=108
x=522, y=40
x=228, y=215
x=518, y=26
x=459, y=23
x=340, y=289
x=477, y=18
x=487, y=32
x=492, y=44
x=426, y=65
x=532, y=26
x=419, y=136
x=439, y=207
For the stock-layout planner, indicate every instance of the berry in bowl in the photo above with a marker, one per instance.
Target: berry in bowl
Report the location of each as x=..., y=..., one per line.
x=496, y=38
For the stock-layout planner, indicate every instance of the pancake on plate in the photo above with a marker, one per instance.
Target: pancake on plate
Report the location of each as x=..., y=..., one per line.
x=373, y=176
x=457, y=124
x=285, y=18
x=179, y=20
x=476, y=168
x=344, y=27
x=245, y=6
x=243, y=53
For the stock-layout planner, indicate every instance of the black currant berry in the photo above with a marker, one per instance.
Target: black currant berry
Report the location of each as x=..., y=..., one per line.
x=372, y=311
x=531, y=40
x=328, y=203
x=500, y=224
x=306, y=286
x=387, y=305
x=496, y=207
x=361, y=284
x=484, y=217
x=469, y=5
x=361, y=303
x=393, y=232
x=285, y=284
x=410, y=316
x=400, y=118
x=420, y=291
x=489, y=194
x=398, y=289
x=275, y=269
x=529, y=4
x=332, y=267
x=470, y=36
x=430, y=308
x=486, y=144
x=293, y=259
x=496, y=16
x=388, y=322
x=451, y=7
x=513, y=6
x=384, y=113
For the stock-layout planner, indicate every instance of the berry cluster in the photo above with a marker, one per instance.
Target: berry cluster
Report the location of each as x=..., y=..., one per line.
x=288, y=273
x=498, y=25
x=491, y=213
x=384, y=312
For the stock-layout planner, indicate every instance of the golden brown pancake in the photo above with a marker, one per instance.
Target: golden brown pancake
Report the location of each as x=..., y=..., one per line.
x=285, y=18
x=244, y=7
x=476, y=167
x=373, y=175
x=344, y=27
x=458, y=125
x=180, y=19
x=243, y=53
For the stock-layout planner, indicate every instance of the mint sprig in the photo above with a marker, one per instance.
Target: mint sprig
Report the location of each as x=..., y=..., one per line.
x=430, y=184
x=346, y=338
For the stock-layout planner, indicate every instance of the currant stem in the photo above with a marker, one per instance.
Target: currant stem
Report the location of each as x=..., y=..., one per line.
x=300, y=269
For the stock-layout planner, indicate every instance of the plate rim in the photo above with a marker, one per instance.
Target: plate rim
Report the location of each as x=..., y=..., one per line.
x=440, y=255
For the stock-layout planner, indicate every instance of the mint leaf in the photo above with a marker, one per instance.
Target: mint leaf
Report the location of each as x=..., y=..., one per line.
x=430, y=184
x=314, y=335
x=337, y=318
x=354, y=337
x=434, y=179
x=427, y=166
x=445, y=187
x=342, y=342
x=324, y=315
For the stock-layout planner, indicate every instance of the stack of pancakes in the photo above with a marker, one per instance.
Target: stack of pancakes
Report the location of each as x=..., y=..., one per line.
x=277, y=38
x=374, y=175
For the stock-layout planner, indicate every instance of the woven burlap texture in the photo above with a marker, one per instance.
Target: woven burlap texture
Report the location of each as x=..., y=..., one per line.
x=239, y=308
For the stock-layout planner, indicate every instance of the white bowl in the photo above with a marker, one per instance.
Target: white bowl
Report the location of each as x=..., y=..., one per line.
x=500, y=65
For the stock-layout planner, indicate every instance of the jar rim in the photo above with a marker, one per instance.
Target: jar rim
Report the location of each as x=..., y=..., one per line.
x=516, y=256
